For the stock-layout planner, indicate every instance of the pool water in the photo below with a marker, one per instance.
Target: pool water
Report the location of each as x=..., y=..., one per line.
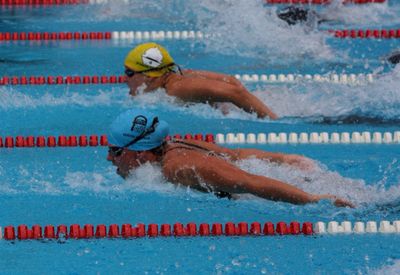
x=78, y=185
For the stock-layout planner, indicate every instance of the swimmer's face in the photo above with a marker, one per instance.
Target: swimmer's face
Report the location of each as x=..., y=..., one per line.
x=128, y=160
x=125, y=160
x=134, y=79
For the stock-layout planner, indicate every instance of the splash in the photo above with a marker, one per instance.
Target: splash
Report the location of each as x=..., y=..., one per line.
x=331, y=103
x=389, y=269
x=146, y=179
x=11, y=98
x=322, y=181
x=362, y=15
x=312, y=102
x=149, y=178
x=15, y=99
x=259, y=31
x=159, y=98
x=370, y=199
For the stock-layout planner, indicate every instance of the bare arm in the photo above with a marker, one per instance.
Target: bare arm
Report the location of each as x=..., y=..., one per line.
x=291, y=159
x=193, y=168
x=239, y=154
x=210, y=90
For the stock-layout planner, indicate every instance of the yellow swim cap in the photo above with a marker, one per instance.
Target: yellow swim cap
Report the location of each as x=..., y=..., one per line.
x=149, y=58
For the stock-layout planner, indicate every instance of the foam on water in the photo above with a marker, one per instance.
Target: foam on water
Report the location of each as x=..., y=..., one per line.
x=156, y=99
x=363, y=15
x=159, y=98
x=388, y=269
x=316, y=102
x=380, y=99
x=322, y=181
x=13, y=98
x=148, y=178
x=259, y=31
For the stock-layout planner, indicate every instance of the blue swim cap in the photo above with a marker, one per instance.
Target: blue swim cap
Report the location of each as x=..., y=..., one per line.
x=139, y=125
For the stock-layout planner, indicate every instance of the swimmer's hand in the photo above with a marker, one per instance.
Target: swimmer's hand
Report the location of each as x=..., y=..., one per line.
x=223, y=107
x=300, y=162
x=338, y=202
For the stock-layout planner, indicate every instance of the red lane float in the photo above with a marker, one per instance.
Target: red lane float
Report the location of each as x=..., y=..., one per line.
x=75, y=141
x=154, y=230
x=369, y=33
x=41, y=2
x=323, y=2
x=38, y=36
x=61, y=80
x=51, y=141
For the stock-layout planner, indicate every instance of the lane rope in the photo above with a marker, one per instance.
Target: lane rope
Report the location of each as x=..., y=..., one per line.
x=98, y=35
x=291, y=78
x=271, y=138
x=41, y=2
x=346, y=79
x=170, y=35
x=365, y=137
x=76, y=2
x=369, y=33
x=323, y=2
x=88, y=231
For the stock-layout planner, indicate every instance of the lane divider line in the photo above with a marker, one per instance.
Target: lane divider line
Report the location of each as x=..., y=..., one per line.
x=76, y=141
x=41, y=2
x=229, y=138
x=291, y=78
x=52, y=141
x=170, y=35
x=98, y=35
x=61, y=80
x=323, y=2
x=369, y=33
x=346, y=79
x=76, y=2
x=310, y=138
x=152, y=230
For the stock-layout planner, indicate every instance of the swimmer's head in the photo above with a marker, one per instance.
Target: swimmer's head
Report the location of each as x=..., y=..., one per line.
x=150, y=59
x=137, y=130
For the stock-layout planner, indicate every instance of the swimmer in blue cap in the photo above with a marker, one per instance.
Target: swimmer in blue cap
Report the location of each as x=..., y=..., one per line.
x=138, y=137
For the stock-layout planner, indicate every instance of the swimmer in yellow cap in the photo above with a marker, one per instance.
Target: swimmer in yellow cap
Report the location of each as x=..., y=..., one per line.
x=137, y=137
x=150, y=66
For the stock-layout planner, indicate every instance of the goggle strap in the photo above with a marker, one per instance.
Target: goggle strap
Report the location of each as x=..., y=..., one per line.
x=157, y=69
x=149, y=130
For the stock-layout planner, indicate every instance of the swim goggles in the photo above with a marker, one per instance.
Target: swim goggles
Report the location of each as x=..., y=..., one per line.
x=116, y=151
x=129, y=73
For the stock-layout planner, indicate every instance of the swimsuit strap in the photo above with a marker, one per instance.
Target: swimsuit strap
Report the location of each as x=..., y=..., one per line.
x=191, y=146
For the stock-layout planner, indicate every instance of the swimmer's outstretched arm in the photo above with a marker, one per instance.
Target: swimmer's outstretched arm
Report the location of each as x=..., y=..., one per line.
x=194, y=168
x=209, y=90
x=246, y=153
x=291, y=159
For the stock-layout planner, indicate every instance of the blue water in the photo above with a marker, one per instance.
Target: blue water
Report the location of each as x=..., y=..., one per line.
x=77, y=185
